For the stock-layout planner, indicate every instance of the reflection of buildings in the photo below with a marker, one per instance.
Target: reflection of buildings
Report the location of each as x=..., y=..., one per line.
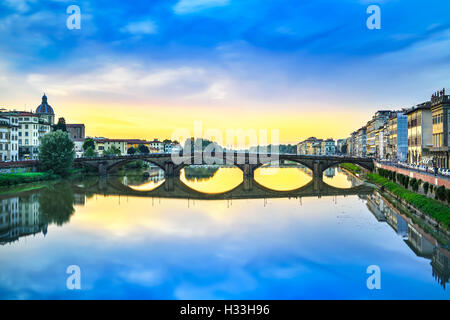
x=423, y=244
x=156, y=175
x=440, y=264
x=20, y=217
x=79, y=199
x=330, y=172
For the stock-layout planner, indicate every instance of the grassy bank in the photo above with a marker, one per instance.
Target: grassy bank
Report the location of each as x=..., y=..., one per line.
x=351, y=167
x=8, y=179
x=433, y=208
x=11, y=179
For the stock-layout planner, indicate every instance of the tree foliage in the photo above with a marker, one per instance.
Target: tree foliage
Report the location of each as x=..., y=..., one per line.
x=57, y=152
x=89, y=152
x=88, y=143
x=61, y=125
x=113, y=150
x=143, y=149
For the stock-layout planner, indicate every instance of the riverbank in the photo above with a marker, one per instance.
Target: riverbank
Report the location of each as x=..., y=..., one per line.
x=20, y=178
x=437, y=211
x=351, y=168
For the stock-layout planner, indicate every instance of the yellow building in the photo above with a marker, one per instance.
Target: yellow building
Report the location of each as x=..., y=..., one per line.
x=309, y=146
x=102, y=144
x=440, y=112
x=420, y=134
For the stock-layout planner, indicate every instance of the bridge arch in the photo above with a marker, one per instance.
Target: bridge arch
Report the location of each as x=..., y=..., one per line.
x=123, y=162
x=369, y=165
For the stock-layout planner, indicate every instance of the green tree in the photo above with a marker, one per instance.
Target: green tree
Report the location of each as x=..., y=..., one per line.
x=113, y=150
x=61, y=125
x=89, y=152
x=57, y=152
x=89, y=142
x=131, y=150
x=143, y=149
x=426, y=185
x=440, y=193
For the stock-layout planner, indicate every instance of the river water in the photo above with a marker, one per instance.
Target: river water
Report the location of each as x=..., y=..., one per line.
x=210, y=237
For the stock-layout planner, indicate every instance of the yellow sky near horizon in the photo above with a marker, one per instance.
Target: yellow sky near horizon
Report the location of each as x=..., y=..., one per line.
x=148, y=122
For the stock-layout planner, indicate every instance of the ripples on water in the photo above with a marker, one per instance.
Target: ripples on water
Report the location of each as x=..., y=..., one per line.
x=143, y=247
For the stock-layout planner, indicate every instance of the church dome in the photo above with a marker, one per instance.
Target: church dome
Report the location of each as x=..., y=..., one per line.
x=44, y=107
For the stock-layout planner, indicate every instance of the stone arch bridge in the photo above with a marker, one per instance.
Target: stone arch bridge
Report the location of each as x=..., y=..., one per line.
x=247, y=162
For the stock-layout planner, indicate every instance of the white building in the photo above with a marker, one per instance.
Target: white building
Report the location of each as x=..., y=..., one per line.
x=156, y=144
x=9, y=150
x=172, y=148
x=78, y=146
x=328, y=147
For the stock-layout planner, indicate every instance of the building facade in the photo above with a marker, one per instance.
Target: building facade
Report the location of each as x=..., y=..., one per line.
x=360, y=142
x=328, y=147
x=103, y=144
x=420, y=134
x=378, y=120
x=31, y=128
x=311, y=146
x=440, y=112
x=397, y=137
x=76, y=131
x=157, y=145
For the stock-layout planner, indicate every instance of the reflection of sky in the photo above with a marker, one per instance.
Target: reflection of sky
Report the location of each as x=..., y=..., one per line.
x=339, y=180
x=280, y=249
x=282, y=179
x=223, y=180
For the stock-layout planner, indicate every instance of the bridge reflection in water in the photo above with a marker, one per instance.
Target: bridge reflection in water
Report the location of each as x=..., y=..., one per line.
x=248, y=188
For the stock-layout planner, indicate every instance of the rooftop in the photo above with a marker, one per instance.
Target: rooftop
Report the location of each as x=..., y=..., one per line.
x=422, y=106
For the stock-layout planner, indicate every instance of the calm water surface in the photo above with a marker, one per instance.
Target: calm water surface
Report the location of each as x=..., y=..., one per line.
x=133, y=246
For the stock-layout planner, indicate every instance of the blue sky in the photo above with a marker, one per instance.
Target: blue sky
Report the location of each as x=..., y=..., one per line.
x=250, y=55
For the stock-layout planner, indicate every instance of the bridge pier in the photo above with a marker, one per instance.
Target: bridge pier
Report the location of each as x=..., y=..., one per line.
x=249, y=170
x=248, y=184
x=318, y=169
x=170, y=170
x=169, y=185
x=102, y=168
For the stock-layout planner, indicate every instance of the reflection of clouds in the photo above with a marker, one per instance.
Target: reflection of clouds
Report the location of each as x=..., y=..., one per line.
x=339, y=180
x=209, y=251
x=148, y=278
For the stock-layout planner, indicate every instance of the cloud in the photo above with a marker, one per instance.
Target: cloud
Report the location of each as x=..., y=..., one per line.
x=190, y=6
x=132, y=79
x=141, y=27
x=19, y=5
